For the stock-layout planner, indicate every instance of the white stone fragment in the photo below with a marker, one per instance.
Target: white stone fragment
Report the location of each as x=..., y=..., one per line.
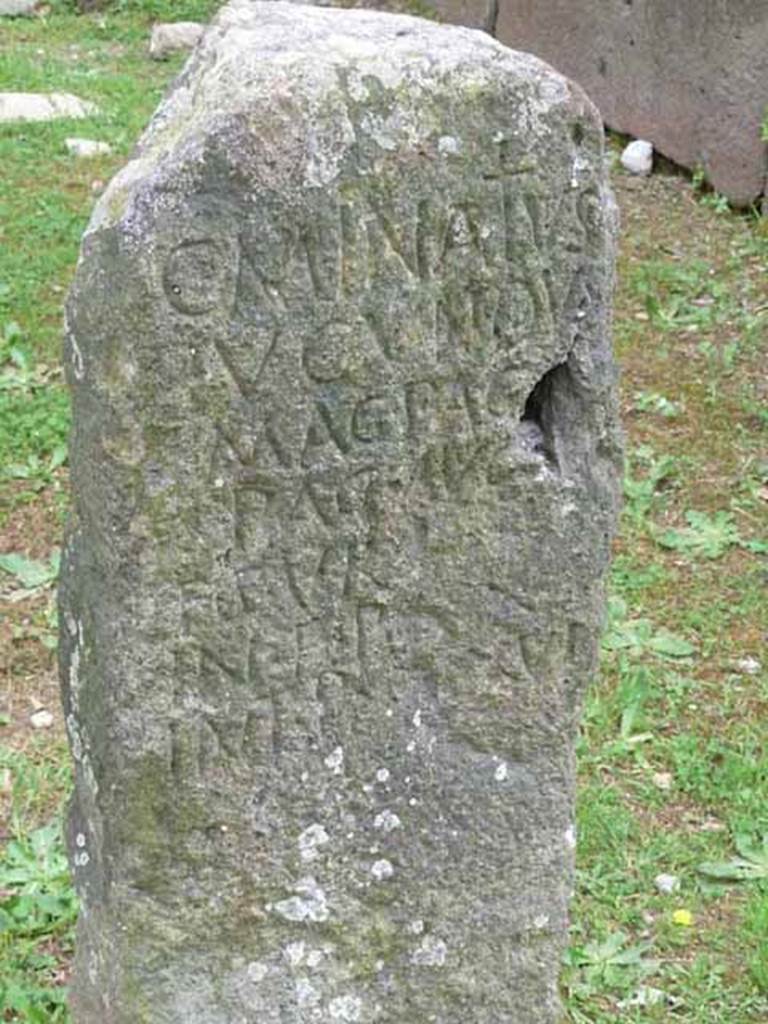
x=168, y=37
x=37, y=106
x=87, y=147
x=637, y=158
x=41, y=719
x=667, y=884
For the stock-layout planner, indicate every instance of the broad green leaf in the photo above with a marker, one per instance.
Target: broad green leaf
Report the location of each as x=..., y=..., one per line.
x=30, y=573
x=751, y=866
x=670, y=645
x=705, y=536
x=638, y=636
x=58, y=457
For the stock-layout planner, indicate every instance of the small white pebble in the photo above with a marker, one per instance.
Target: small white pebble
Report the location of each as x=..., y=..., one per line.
x=86, y=147
x=41, y=719
x=749, y=665
x=667, y=884
x=637, y=157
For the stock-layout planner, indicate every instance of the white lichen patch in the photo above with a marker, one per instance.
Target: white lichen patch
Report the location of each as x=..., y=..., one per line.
x=431, y=953
x=309, y=841
x=382, y=869
x=541, y=921
x=345, y=1008
x=501, y=772
x=382, y=775
x=314, y=957
x=256, y=971
x=335, y=761
x=309, y=903
x=306, y=993
x=448, y=144
x=294, y=953
x=74, y=673
x=387, y=821
x=416, y=927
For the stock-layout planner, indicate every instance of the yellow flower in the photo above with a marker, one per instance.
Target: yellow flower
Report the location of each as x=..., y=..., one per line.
x=683, y=917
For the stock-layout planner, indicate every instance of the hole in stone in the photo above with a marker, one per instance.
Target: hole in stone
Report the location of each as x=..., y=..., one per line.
x=537, y=424
x=602, y=66
x=578, y=133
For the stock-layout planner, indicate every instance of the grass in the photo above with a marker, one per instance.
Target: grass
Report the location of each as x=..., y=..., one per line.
x=673, y=751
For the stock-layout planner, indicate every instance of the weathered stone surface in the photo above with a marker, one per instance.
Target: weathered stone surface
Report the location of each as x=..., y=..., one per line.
x=692, y=78
x=36, y=106
x=168, y=38
x=472, y=13
x=480, y=14
x=344, y=468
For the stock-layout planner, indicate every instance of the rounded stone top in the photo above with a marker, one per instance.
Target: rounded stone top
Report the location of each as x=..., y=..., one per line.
x=290, y=86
